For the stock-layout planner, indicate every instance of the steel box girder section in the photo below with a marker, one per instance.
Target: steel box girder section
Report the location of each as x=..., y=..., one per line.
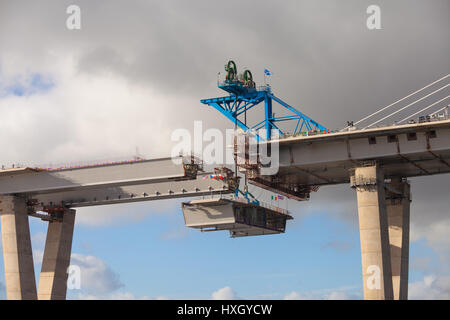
x=127, y=194
x=141, y=172
x=340, y=175
x=350, y=147
x=300, y=195
x=316, y=159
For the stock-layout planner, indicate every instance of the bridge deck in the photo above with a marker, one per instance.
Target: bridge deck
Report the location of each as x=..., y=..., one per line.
x=108, y=184
x=402, y=151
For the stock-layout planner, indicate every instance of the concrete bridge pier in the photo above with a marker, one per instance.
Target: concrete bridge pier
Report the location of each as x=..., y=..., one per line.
x=18, y=256
x=368, y=182
x=17, y=252
x=398, y=198
x=56, y=261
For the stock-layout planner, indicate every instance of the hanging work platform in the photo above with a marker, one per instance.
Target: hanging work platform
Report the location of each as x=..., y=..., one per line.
x=240, y=216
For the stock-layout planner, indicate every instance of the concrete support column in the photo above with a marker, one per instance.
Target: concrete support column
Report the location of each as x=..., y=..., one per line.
x=398, y=198
x=17, y=253
x=58, y=247
x=373, y=226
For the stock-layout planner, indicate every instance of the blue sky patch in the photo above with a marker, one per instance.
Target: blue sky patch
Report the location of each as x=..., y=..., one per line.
x=25, y=85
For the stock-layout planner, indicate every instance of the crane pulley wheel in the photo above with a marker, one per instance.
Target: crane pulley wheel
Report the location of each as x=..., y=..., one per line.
x=231, y=70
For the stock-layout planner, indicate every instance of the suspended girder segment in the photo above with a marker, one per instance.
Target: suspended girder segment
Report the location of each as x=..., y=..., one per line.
x=134, y=193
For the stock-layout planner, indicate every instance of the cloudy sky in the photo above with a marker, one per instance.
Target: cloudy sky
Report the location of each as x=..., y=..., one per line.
x=136, y=71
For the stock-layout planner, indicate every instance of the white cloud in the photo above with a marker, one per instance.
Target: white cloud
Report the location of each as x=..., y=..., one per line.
x=114, y=296
x=38, y=245
x=338, y=295
x=96, y=276
x=38, y=239
x=175, y=233
x=38, y=256
x=86, y=118
x=436, y=233
x=126, y=296
x=432, y=287
x=419, y=263
x=342, y=293
x=226, y=293
x=295, y=296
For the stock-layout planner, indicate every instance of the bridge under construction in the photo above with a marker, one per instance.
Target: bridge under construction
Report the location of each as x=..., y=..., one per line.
x=375, y=161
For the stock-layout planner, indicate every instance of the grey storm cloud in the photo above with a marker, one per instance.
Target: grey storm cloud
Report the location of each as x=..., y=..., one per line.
x=324, y=61
x=324, y=58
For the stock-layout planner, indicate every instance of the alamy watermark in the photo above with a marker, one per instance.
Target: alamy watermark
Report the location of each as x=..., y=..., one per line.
x=73, y=21
x=73, y=277
x=374, y=280
x=373, y=21
x=249, y=148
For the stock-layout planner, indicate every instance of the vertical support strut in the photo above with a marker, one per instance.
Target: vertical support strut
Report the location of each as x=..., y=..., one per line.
x=268, y=114
x=398, y=199
x=56, y=261
x=373, y=227
x=17, y=253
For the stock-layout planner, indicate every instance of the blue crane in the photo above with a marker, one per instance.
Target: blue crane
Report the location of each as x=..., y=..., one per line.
x=244, y=95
